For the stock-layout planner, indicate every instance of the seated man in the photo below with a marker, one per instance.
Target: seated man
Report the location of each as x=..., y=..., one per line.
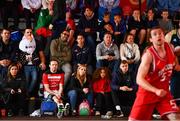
x=53, y=81
x=61, y=51
x=123, y=87
x=107, y=53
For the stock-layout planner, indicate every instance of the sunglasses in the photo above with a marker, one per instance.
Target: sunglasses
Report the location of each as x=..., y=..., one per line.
x=65, y=34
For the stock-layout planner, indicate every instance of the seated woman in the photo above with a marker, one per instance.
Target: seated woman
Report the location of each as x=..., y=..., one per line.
x=130, y=52
x=78, y=88
x=14, y=90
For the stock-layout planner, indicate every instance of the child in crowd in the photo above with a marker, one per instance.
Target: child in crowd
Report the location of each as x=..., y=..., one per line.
x=119, y=27
x=102, y=90
x=105, y=25
x=151, y=21
x=70, y=27
x=165, y=22
x=81, y=54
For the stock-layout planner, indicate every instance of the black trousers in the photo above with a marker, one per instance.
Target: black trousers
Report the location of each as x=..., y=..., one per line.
x=103, y=102
x=123, y=98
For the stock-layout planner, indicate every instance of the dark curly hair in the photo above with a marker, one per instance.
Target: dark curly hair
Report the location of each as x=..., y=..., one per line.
x=96, y=75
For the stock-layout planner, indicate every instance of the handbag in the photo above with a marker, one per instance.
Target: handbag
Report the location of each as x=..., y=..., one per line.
x=48, y=107
x=84, y=108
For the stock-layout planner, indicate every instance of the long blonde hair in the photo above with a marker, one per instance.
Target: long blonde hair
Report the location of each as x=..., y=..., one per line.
x=81, y=78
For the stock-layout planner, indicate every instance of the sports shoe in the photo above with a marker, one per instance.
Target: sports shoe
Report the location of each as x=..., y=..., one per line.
x=60, y=111
x=119, y=114
x=108, y=115
x=97, y=113
x=66, y=109
x=74, y=113
x=156, y=116
x=10, y=113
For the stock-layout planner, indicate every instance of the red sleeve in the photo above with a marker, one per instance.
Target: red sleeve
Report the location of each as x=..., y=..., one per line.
x=62, y=79
x=45, y=79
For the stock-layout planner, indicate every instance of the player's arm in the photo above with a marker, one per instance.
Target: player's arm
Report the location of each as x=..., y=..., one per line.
x=143, y=71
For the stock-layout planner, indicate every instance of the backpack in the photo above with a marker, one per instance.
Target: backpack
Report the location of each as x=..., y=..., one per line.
x=48, y=107
x=84, y=108
x=16, y=36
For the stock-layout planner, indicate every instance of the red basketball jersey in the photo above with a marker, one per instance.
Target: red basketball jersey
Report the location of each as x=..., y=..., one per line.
x=159, y=76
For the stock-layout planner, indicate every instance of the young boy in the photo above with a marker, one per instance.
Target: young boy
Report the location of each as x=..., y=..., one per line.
x=119, y=27
x=105, y=25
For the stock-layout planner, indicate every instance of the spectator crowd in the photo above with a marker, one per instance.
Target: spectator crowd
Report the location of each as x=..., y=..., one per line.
x=78, y=49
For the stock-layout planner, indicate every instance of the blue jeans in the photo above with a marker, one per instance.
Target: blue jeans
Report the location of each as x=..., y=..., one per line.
x=91, y=42
x=31, y=74
x=68, y=71
x=76, y=98
x=112, y=65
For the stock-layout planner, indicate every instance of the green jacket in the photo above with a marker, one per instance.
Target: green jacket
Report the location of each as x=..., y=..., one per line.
x=44, y=19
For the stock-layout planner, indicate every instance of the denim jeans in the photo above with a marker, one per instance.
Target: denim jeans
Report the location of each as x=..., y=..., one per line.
x=91, y=42
x=76, y=98
x=67, y=68
x=31, y=74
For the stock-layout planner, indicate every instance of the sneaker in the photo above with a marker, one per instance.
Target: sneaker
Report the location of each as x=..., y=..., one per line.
x=74, y=112
x=106, y=117
x=156, y=116
x=66, y=109
x=109, y=113
x=119, y=114
x=10, y=113
x=60, y=111
x=97, y=113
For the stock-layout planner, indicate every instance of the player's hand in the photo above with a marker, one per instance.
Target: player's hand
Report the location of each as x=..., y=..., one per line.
x=161, y=92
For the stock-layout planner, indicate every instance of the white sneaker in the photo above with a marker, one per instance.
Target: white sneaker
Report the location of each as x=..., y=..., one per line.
x=66, y=109
x=156, y=116
x=97, y=113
